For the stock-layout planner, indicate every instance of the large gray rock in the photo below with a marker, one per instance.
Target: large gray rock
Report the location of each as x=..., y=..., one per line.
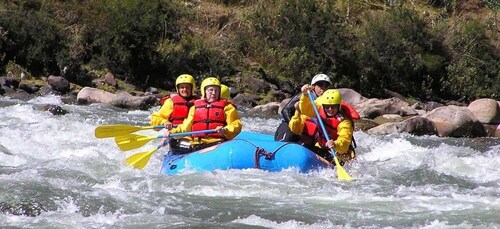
x=94, y=95
x=415, y=125
x=59, y=84
x=350, y=96
x=373, y=108
x=486, y=110
x=246, y=100
x=266, y=109
x=128, y=101
x=122, y=99
x=455, y=121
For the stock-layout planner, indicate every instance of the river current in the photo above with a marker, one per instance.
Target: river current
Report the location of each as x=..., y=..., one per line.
x=56, y=165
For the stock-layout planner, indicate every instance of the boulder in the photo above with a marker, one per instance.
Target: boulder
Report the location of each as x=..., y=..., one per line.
x=266, y=109
x=455, y=121
x=29, y=208
x=128, y=101
x=94, y=95
x=54, y=109
x=431, y=105
x=109, y=78
x=364, y=124
x=486, y=110
x=350, y=96
x=373, y=108
x=59, y=84
x=388, y=118
x=255, y=84
x=415, y=125
x=246, y=100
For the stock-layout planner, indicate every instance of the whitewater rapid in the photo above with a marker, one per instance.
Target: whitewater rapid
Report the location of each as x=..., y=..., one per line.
x=55, y=164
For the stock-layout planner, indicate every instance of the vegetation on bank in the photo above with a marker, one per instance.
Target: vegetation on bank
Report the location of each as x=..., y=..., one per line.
x=428, y=50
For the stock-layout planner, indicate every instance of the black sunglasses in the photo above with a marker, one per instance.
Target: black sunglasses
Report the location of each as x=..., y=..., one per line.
x=322, y=84
x=336, y=106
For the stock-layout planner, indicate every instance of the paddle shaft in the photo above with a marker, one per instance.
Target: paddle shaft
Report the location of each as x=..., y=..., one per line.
x=320, y=121
x=139, y=160
x=186, y=133
x=114, y=130
x=341, y=173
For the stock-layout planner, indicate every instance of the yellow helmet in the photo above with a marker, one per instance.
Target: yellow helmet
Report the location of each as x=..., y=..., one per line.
x=185, y=78
x=210, y=81
x=330, y=97
x=224, y=92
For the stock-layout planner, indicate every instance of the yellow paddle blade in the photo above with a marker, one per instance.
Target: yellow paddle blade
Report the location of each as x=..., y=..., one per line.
x=132, y=141
x=341, y=173
x=139, y=160
x=107, y=131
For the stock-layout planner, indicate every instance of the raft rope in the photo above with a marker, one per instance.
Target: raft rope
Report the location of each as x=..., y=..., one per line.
x=258, y=153
x=261, y=151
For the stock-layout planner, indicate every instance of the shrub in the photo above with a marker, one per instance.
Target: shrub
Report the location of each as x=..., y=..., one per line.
x=193, y=56
x=398, y=53
x=32, y=37
x=295, y=39
x=473, y=71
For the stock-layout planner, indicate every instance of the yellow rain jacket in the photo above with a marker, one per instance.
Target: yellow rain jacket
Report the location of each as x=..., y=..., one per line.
x=160, y=117
x=233, y=126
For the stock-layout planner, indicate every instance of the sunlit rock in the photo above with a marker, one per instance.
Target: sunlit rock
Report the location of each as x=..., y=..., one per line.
x=486, y=110
x=415, y=125
x=455, y=121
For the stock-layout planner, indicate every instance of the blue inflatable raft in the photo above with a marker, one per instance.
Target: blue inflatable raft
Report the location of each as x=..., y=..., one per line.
x=247, y=150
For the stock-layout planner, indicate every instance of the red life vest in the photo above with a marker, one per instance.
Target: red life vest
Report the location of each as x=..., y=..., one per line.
x=207, y=116
x=349, y=111
x=180, y=107
x=312, y=130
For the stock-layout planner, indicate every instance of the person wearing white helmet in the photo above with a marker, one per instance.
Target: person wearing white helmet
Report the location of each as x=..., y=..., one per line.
x=319, y=84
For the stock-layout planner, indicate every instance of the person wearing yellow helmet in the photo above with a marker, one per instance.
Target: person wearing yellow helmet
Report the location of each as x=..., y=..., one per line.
x=175, y=106
x=225, y=93
x=319, y=84
x=337, y=117
x=210, y=112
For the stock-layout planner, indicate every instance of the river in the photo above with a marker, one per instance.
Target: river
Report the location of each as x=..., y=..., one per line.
x=56, y=165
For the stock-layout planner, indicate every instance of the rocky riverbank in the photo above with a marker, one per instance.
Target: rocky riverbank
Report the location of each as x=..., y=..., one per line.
x=480, y=118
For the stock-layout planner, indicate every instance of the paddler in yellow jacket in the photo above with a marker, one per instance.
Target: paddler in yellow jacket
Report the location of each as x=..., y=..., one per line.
x=209, y=113
x=175, y=107
x=337, y=118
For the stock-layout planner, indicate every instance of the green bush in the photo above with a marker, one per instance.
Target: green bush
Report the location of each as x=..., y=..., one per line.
x=128, y=35
x=397, y=52
x=474, y=70
x=193, y=56
x=32, y=37
x=296, y=39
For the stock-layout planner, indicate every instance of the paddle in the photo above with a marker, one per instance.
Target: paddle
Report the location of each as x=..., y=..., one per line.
x=341, y=173
x=107, y=131
x=134, y=141
x=139, y=160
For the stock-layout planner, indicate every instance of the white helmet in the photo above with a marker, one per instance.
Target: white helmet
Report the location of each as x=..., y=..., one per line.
x=320, y=77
